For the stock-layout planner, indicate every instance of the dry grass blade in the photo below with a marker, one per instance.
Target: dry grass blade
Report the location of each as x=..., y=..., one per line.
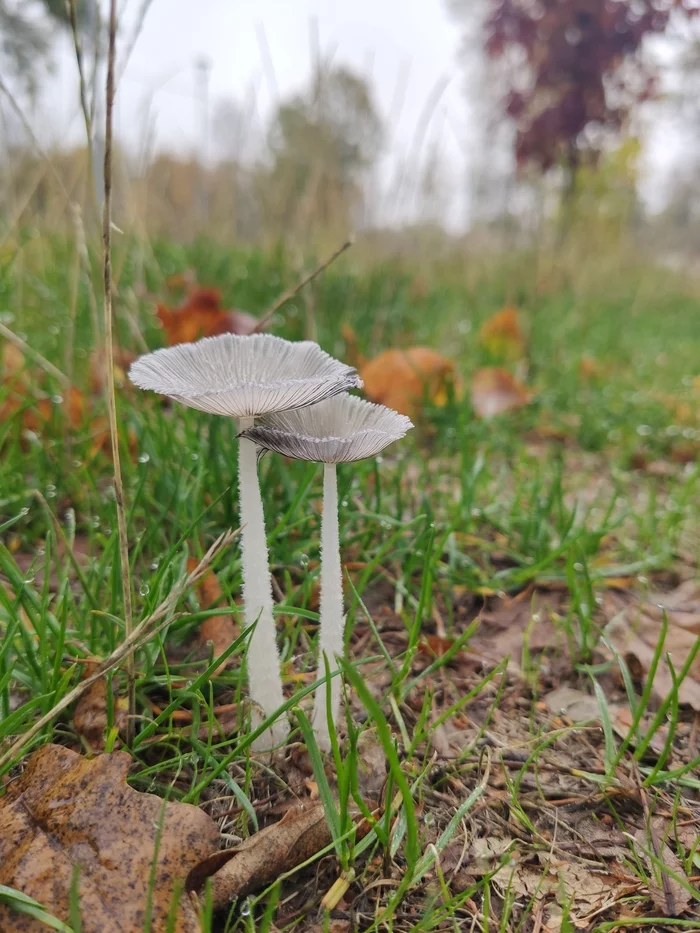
x=109, y=356
x=291, y=292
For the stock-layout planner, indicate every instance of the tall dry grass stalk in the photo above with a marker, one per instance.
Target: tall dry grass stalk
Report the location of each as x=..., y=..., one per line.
x=109, y=363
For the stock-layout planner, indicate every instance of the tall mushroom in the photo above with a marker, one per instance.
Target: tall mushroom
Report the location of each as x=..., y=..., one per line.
x=340, y=430
x=244, y=378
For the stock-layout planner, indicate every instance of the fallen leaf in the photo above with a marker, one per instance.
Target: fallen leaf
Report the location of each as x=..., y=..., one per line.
x=215, y=631
x=669, y=896
x=635, y=628
x=574, y=704
x=67, y=816
x=300, y=834
x=90, y=716
x=495, y=391
x=202, y=316
x=403, y=379
x=371, y=765
x=98, y=368
x=502, y=334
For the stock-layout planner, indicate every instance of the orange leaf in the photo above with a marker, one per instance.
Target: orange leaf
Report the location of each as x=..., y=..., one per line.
x=402, y=379
x=502, y=334
x=219, y=630
x=495, y=391
x=202, y=316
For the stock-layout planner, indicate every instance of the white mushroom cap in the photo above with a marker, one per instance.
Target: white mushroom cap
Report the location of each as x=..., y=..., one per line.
x=338, y=430
x=244, y=376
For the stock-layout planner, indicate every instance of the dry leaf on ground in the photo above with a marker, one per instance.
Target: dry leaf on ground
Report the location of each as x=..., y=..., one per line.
x=635, y=629
x=90, y=716
x=301, y=833
x=670, y=897
x=502, y=334
x=495, y=391
x=403, y=379
x=217, y=631
x=572, y=703
x=67, y=813
x=202, y=316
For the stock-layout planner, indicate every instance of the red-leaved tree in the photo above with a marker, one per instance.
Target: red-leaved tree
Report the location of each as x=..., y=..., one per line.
x=577, y=70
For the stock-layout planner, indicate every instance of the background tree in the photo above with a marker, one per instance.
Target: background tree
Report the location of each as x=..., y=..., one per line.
x=575, y=72
x=323, y=142
x=27, y=32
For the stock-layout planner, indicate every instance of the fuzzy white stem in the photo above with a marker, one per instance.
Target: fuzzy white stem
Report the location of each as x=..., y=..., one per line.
x=330, y=641
x=265, y=682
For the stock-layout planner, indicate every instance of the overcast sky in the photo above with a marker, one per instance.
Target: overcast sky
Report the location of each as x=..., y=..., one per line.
x=411, y=45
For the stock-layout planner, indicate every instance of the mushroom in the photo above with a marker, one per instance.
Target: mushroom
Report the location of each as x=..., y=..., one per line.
x=245, y=377
x=340, y=430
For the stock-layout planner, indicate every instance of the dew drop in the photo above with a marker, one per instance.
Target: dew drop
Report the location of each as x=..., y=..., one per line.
x=144, y=589
x=245, y=908
x=57, y=399
x=144, y=458
x=578, y=567
x=50, y=492
x=194, y=456
x=644, y=430
x=24, y=510
x=155, y=564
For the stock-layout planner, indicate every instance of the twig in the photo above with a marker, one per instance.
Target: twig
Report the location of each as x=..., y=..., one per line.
x=87, y=116
x=42, y=361
x=291, y=292
x=109, y=360
x=143, y=631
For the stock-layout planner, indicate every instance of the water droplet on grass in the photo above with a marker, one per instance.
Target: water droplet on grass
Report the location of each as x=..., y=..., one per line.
x=245, y=908
x=144, y=458
x=57, y=399
x=644, y=430
x=144, y=589
x=24, y=510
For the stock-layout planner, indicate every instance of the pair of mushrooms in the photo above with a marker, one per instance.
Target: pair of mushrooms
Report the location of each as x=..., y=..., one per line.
x=290, y=398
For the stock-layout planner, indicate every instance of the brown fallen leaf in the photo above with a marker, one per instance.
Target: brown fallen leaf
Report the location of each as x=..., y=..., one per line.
x=217, y=631
x=403, y=379
x=301, y=833
x=670, y=897
x=90, y=716
x=495, y=391
x=202, y=316
x=635, y=629
x=502, y=334
x=67, y=816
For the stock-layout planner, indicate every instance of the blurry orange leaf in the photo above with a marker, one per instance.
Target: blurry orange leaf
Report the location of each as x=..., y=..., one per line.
x=219, y=630
x=502, y=334
x=69, y=825
x=202, y=316
x=402, y=379
x=495, y=391
x=98, y=368
x=589, y=368
x=90, y=716
x=435, y=645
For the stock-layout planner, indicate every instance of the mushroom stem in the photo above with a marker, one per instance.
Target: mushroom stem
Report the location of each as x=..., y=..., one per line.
x=332, y=626
x=264, y=680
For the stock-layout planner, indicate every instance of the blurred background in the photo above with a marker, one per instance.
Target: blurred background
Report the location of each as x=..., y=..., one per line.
x=420, y=124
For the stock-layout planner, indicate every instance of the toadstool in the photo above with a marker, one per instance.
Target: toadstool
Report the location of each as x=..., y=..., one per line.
x=340, y=430
x=245, y=377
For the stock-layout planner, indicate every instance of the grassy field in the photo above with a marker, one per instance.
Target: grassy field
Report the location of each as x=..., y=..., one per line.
x=490, y=564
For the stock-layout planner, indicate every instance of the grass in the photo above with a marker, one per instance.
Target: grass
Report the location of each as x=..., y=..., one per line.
x=464, y=520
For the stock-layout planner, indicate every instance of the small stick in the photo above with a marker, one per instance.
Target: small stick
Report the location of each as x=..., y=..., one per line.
x=143, y=631
x=291, y=292
x=109, y=360
x=44, y=363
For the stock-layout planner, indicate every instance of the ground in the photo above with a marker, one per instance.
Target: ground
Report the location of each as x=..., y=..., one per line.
x=521, y=745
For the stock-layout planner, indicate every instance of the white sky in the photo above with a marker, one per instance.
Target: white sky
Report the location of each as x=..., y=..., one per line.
x=410, y=42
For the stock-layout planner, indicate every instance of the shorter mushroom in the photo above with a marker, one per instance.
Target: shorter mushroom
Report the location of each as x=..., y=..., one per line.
x=339, y=430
